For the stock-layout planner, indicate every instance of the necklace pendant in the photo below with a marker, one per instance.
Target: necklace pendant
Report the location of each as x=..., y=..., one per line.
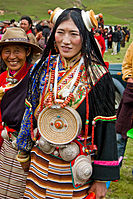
x=55, y=106
x=65, y=93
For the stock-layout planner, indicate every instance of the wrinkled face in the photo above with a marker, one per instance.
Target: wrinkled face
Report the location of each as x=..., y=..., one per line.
x=68, y=39
x=24, y=24
x=14, y=56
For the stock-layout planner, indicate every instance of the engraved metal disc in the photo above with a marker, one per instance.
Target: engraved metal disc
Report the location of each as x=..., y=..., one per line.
x=59, y=125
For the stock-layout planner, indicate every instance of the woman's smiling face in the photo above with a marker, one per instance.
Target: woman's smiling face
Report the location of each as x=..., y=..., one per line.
x=68, y=39
x=14, y=56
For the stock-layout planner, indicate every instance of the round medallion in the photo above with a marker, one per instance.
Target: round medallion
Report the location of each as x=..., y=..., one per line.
x=59, y=125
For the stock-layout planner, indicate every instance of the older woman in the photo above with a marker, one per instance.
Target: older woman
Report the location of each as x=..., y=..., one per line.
x=16, y=53
x=70, y=114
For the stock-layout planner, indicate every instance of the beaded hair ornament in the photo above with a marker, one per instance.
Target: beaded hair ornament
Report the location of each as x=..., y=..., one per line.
x=89, y=17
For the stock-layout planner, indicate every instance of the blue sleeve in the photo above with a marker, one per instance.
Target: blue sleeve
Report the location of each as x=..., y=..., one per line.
x=24, y=141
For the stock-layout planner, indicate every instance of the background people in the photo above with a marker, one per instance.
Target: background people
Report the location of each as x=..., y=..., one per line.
x=120, y=38
x=115, y=39
x=110, y=37
x=45, y=36
x=105, y=35
x=16, y=52
x=101, y=40
x=75, y=78
x=26, y=24
x=38, y=31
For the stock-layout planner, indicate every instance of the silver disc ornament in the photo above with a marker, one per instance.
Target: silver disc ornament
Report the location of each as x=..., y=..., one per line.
x=59, y=125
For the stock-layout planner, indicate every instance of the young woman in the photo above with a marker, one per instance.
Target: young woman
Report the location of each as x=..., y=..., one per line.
x=16, y=53
x=70, y=114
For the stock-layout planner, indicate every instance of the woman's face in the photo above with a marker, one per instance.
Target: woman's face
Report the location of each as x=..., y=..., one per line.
x=68, y=39
x=14, y=56
x=24, y=24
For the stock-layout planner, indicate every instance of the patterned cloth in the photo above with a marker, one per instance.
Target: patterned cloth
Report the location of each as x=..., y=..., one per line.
x=12, y=176
x=50, y=177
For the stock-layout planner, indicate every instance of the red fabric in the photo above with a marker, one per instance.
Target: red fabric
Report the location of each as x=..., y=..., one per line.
x=29, y=31
x=3, y=77
x=101, y=41
x=107, y=64
x=2, y=82
x=91, y=196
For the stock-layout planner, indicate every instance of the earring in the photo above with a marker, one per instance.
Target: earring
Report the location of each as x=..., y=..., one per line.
x=55, y=47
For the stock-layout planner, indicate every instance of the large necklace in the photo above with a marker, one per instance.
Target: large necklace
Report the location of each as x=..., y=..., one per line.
x=68, y=93
x=53, y=120
x=59, y=123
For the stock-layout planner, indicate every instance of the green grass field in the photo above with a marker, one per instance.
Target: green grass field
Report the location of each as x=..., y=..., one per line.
x=114, y=12
x=123, y=189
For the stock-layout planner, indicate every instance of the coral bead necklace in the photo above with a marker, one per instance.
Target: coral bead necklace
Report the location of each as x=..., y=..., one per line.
x=68, y=94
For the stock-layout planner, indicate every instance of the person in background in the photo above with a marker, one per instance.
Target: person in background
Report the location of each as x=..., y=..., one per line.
x=45, y=36
x=123, y=38
x=6, y=25
x=38, y=32
x=115, y=39
x=1, y=29
x=120, y=38
x=101, y=29
x=110, y=37
x=13, y=23
x=101, y=20
x=26, y=24
x=75, y=90
x=128, y=35
x=105, y=35
x=125, y=111
x=100, y=40
x=16, y=52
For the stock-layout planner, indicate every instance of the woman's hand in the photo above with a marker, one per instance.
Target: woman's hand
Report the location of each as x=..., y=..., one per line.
x=25, y=165
x=99, y=188
x=130, y=80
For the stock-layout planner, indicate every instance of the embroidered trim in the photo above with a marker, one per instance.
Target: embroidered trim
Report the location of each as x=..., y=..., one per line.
x=111, y=118
x=27, y=103
x=106, y=163
x=16, y=39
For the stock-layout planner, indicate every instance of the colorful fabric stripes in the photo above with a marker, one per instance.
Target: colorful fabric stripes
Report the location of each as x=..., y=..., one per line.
x=12, y=176
x=50, y=177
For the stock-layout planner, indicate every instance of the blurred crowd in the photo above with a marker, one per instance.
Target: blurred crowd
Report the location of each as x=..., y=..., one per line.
x=111, y=37
x=108, y=37
x=37, y=31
